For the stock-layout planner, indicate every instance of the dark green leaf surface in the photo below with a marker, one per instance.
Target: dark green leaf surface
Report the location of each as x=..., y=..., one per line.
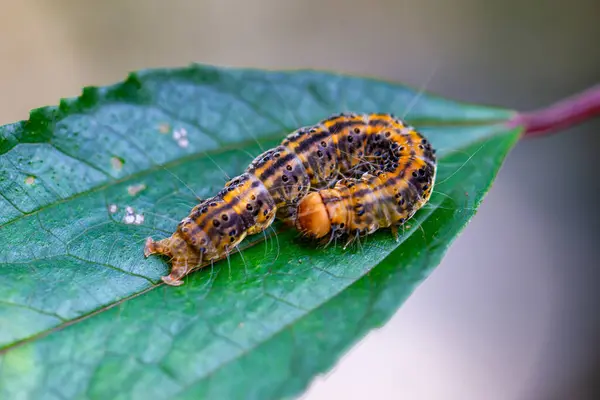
x=80, y=316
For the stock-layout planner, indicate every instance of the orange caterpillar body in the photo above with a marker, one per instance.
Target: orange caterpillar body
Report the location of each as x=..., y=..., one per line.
x=348, y=175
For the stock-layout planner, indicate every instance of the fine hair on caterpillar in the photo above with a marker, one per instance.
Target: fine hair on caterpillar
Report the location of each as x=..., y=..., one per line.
x=346, y=176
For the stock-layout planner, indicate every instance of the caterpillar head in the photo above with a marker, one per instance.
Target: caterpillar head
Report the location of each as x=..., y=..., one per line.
x=312, y=219
x=320, y=213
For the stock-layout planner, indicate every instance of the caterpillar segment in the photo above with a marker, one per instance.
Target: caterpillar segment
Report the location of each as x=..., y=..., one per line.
x=348, y=175
x=396, y=182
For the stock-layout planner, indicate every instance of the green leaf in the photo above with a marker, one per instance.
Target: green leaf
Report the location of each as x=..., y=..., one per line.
x=80, y=314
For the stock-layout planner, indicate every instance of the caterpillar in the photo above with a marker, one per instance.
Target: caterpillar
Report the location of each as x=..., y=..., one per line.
x=348, y=175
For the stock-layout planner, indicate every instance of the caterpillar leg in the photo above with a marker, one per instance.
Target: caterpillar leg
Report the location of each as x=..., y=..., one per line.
x=352, y=238
x=395, y=233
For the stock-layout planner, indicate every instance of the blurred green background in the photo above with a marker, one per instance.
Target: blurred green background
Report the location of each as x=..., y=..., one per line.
x=512, y=312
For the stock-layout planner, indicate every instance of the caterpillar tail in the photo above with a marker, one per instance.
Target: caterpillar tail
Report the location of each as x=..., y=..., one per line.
x=215, y=227
x=183, y=257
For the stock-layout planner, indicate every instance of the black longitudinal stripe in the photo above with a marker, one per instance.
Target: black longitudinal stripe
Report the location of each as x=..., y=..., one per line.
x=243, y=220
x=269, y=172
x=309, y=141
x=381, y=202
x=377, y=122
x=334, y=129
x=390, y=182
x=234, y=202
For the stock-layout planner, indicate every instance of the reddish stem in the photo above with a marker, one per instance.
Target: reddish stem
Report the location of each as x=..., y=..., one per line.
x=561, y=115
